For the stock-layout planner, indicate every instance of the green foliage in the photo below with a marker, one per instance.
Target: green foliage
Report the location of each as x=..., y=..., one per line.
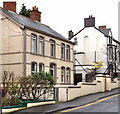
x=12, y=102
x=43, y=78
x=37, y=86
x=24, y=11
x=13, y=90
x=4, y=102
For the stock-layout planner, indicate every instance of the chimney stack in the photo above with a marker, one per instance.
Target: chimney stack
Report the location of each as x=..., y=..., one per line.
x=89, y=22
x=10, y=6
x=35, y=14
x=102, y=27
x=70, y=33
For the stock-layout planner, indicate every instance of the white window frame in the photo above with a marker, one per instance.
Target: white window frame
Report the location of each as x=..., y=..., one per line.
x=33, y=43
x=42, y=67
x=52, y=68
x=68, y=79
x=62, y=51
x=41, y=45
x=68, y=52
x=52, y=50
x=62, y=75
x=35, y=68
x=75, y=40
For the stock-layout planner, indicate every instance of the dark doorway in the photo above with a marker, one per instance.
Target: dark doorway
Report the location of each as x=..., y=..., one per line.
x=77, y=78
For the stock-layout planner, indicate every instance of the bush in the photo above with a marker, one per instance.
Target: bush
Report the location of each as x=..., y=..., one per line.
x=12, y=102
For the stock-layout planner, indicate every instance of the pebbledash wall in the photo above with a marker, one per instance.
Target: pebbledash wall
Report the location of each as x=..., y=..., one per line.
x=12, y=53
x=102, y=84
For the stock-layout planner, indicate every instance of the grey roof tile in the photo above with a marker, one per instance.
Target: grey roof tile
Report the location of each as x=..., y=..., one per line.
x=33, y=24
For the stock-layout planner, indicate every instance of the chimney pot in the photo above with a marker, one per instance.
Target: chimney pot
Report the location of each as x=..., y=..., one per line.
x=70, y=33
x=10, y=6
x=102, y=27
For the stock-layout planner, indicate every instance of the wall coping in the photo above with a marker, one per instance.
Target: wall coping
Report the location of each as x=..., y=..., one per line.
x=100, y=75
x=89, y=84
x=113, y=81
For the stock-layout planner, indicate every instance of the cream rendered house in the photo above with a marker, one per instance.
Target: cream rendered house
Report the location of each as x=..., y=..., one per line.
x=29, y=46
x=91, y=45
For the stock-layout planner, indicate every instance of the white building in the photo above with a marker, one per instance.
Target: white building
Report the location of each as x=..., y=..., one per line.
x=90, y=45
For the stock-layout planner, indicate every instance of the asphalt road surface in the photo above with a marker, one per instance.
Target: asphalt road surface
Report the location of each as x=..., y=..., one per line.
x=108, y=104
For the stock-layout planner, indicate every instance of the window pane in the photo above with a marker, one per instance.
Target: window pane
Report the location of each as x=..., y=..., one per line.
x=68, y=75
x=75, y=40
x=41, y=67
x=33, y=44
x=33, y=68
x=52, y=48
x=62, y=74
x=52, y=69
x=62, y=51
x=68, y=53
x=41, y=46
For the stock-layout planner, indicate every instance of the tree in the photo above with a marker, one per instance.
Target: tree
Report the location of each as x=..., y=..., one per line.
x=24, y=11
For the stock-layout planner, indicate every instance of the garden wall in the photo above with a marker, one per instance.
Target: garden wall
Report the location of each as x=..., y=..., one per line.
x=101, y=84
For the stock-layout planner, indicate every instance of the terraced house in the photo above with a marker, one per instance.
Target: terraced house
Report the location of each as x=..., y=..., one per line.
x=29, y=46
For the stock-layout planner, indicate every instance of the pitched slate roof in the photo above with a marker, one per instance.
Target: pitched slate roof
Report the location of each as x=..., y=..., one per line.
x=103, y=31
x=28, y=23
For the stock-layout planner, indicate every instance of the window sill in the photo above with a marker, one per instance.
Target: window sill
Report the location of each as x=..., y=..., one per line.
x=36, y=54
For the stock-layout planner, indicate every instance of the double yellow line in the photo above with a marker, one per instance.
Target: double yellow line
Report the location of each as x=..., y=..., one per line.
x=89, y=104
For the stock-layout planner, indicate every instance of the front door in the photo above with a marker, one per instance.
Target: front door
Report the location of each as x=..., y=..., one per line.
x=77, y=78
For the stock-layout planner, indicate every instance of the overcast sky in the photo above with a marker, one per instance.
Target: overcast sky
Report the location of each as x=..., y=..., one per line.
x=64, y=15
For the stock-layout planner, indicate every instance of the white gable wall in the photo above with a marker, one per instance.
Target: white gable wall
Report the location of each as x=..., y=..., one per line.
x=95, y=41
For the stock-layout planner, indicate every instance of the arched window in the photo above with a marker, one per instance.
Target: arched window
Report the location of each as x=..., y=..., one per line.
x=41, y=45
x=68, y=75
x=52, y=48
x=41, y=67
x=62, y=74
x=52, y=69
x=68, y=52
x=33, y=68
x=33, y=43
x=62, y=51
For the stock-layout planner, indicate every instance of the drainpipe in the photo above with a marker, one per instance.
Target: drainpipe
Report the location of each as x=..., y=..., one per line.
x=24, y=52
x=67, y=94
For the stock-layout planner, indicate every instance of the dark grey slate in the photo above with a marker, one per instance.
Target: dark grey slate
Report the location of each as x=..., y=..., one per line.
x=32, y=24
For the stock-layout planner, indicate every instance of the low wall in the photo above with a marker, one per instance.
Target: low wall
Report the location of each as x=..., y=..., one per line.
x=102, y=84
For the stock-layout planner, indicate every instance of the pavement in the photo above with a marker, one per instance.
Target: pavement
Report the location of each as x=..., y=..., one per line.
x=52, y=108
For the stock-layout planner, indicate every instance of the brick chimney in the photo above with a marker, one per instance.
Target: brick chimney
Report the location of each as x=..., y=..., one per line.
x=35, y=14
x=102, y=27
x=10, y=6
x=89, y=22
x=70, y=33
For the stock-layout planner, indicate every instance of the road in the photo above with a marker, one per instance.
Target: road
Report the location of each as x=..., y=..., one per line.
x=108, y=104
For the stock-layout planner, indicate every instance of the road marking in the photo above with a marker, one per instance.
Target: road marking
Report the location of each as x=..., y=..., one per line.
x=89, y=104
